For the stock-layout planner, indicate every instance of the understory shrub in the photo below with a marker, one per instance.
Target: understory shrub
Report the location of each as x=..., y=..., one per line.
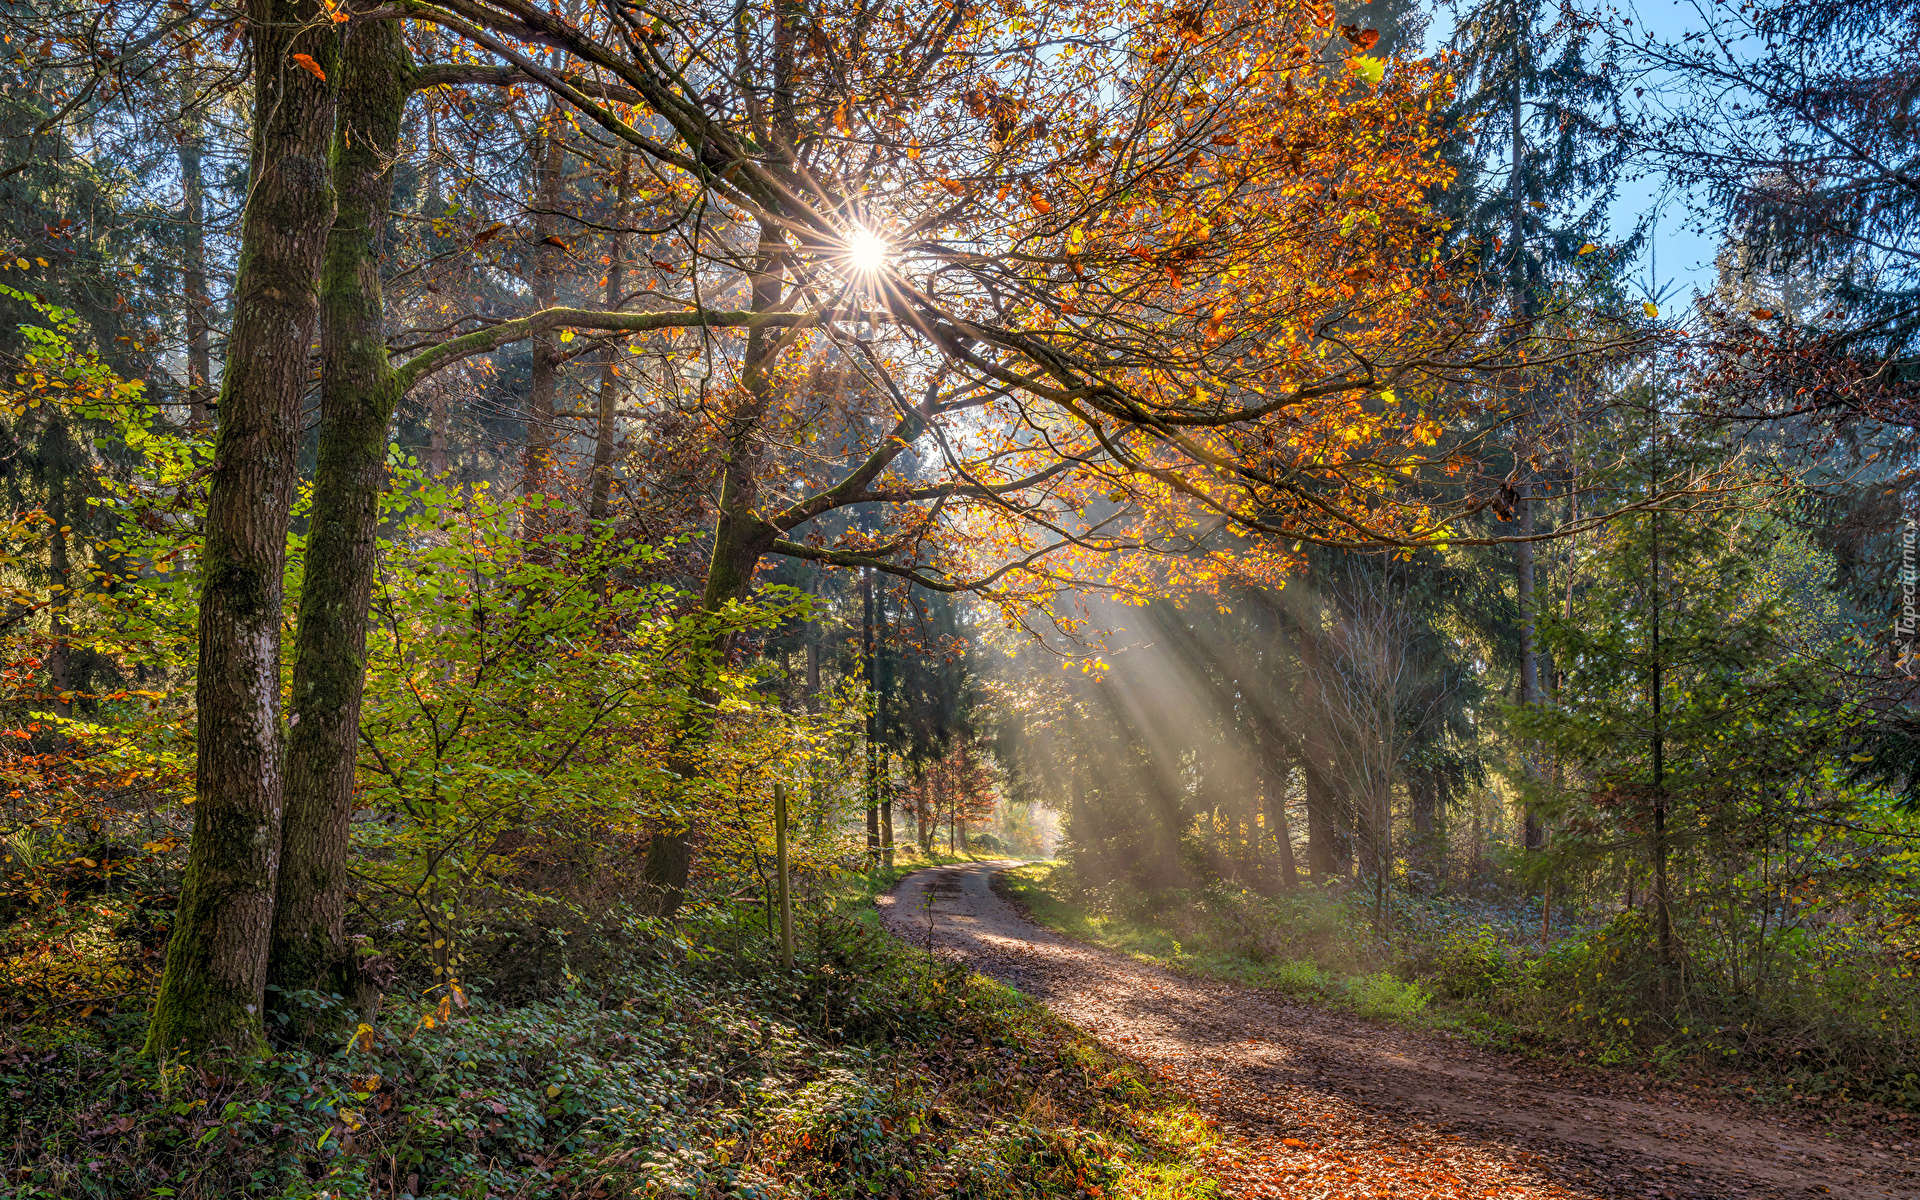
x=1382, y=995
x=692, y=1066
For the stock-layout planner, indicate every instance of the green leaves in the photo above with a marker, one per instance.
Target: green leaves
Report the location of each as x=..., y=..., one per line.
x=514, y=707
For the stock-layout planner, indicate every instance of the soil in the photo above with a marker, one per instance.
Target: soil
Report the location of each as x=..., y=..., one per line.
x=1317, y=1104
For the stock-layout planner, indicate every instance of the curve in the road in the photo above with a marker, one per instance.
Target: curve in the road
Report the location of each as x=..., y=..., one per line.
x=1318, y=1103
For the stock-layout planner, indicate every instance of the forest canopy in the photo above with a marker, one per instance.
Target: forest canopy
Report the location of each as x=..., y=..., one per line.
x=496, y=492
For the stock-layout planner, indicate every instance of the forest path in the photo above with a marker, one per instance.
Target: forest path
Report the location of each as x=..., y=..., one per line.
x=1314, y=1104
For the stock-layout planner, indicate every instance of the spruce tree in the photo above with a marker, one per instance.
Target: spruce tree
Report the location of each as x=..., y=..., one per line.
x=1533, y=191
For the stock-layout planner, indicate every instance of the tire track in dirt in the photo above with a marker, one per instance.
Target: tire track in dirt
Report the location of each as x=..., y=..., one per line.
x=1314, y=1104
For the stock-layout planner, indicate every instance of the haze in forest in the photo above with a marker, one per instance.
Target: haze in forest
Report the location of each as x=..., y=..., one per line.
x=523, y=525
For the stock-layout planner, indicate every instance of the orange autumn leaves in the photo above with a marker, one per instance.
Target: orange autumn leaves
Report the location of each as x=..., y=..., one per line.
x=1231, y=285
x=1161, y=293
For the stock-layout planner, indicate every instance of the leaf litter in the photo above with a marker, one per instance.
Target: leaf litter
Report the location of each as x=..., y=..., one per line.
x=1313, y=1104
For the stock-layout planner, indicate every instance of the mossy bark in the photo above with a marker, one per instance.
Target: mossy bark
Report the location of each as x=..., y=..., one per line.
x=213, y=990
x=358, y=393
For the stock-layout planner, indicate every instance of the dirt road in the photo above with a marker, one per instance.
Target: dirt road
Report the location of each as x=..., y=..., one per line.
x=1317, y=1104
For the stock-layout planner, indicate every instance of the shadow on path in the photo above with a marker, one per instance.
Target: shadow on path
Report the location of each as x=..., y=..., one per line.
x=1318, y=1104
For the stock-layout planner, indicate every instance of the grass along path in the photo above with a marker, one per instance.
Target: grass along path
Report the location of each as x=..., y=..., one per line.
x=1318, y=1104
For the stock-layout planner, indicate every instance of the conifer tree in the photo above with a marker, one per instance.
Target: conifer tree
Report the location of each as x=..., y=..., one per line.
x=1531, y=196
x=1684, y=716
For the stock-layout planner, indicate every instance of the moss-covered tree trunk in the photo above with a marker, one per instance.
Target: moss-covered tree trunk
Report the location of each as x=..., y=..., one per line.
x=357, y=397
x=213, y=990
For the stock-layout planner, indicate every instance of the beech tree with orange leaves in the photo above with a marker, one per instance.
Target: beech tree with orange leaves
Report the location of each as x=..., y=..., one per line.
x=1034, y=287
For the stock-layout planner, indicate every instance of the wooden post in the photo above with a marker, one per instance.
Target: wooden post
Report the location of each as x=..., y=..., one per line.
x=780, y=867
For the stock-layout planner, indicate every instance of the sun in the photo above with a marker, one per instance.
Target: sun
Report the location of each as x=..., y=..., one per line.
x=866, y=250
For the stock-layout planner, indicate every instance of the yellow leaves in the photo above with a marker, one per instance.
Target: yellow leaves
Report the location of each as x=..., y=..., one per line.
x=1589, y=248
x=1650, y=308
x=566, y=335
x=1371, y=69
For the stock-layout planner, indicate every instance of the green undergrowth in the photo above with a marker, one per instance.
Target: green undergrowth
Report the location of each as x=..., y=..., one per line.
x=1194, y=946
x=697, y=1069
x=1832, y=1034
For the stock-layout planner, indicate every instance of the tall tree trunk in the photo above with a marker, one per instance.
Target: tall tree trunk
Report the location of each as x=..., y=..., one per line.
x=193, y=224
x=214, y=987
x=886, y=813
x=883, y=688
x=867, y=676
x=550, y=161
x=60, y=568
x=357, y=397
x=1662, y=913
x=1535, y=833
x=814, y=798
x=740, y=538
x=439, y=425
x=1276, y=802
x=926, y=815
x=1525, y=308
x=602, y=490
x=1323, y=842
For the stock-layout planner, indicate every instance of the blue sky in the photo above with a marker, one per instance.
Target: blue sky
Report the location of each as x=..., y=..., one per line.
x=1679, y=257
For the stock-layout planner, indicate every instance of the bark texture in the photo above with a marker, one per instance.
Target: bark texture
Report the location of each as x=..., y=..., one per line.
x=59, y=658
x=548, y=261
x=601, y=493
x=213, y=990
x=357, y=397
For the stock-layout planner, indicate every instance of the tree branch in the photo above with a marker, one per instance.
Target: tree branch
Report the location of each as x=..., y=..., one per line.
x=485, y=340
